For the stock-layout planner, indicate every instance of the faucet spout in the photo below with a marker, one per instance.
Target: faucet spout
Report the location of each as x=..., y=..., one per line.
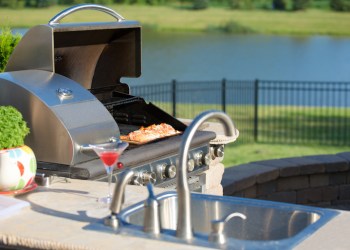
x=184, y=224
x=118, y=198
x=119, y=191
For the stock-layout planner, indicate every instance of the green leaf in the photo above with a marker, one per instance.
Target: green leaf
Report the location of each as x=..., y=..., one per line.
x=13, y=129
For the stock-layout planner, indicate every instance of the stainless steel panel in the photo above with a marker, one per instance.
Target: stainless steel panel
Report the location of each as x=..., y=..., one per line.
x=44, y=85
x=94, y=55
x=58, y=126
x=34, y=51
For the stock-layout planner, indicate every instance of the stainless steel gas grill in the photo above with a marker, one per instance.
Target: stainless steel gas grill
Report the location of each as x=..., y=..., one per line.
x=66, y=81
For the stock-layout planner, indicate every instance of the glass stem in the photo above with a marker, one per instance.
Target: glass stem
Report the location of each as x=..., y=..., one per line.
x=109, y=197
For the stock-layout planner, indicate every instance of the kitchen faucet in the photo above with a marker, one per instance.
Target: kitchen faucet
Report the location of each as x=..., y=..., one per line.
x=184, y=224
x=118, y=198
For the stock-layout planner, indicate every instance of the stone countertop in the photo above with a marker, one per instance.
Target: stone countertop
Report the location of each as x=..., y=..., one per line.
x=334, y=235
x=60, y=215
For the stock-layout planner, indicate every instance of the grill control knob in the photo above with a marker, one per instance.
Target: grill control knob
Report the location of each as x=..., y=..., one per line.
x=198, y=158
x=166, y=171
x=190, y=165
x=219, y=151
x=148, y=177
x=170, y=171
x=206, y=159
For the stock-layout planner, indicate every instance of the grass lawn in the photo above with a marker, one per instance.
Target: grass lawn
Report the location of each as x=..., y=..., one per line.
x=310, y=22
x=276, y=124
x=305, y=130
x=238, y=153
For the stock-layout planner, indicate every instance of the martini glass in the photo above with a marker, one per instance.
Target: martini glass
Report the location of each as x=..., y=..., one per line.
x=109, y=154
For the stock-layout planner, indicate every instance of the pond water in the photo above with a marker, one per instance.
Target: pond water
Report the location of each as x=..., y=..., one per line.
x=213, y=56
x=192, y=57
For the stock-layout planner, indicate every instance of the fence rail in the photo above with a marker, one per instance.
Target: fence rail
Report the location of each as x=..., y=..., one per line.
x=263, y=111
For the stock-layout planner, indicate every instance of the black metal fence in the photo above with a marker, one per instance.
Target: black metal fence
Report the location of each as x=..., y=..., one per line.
x=263, y=111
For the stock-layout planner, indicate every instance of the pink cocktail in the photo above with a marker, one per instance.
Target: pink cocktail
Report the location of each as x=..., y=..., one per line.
x=109, y=159
x=109, y=154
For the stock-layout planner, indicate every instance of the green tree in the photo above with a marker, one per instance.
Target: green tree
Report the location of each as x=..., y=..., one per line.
x=103, y=2
x=40, y=3
x=340, y=5
x=200, y=4
x=240, y=4
x=15, y=4
x=70, y=2
x=151, y=2
x=300, y=4
x=279, y=4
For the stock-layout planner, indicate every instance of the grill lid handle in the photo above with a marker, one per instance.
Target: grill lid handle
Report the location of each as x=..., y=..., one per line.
x=56, y=19
x=86, y=148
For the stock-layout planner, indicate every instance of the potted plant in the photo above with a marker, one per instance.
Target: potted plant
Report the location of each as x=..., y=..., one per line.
x=17, y=161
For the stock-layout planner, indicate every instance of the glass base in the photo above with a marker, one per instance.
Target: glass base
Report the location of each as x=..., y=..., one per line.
x=105, y=200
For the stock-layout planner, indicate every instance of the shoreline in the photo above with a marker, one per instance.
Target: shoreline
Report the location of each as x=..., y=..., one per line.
x=213, y=20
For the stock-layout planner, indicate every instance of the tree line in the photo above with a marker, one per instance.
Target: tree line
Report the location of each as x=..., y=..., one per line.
x=283, y=5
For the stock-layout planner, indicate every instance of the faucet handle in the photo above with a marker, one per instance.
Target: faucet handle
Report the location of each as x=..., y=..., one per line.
x=150, y=191
x=151, y=221
x=217, y=234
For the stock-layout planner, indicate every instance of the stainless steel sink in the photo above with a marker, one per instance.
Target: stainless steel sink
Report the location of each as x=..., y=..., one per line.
x=269, y=225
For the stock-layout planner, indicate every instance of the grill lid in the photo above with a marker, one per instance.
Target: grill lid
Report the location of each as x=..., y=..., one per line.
x=49, y=74
x=94, y=55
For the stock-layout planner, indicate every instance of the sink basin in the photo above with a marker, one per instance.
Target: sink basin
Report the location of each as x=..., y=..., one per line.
x=269, y=225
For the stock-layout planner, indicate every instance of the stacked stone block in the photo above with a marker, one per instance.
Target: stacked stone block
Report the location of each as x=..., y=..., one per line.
x=318, y=180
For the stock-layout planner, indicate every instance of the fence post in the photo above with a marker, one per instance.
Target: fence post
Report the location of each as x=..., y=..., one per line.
x=173, y=91
x=256, y=105
x=223, y=95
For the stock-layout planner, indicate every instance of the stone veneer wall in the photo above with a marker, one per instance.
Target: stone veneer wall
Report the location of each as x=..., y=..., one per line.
x=318, y=180
x=213, y=176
